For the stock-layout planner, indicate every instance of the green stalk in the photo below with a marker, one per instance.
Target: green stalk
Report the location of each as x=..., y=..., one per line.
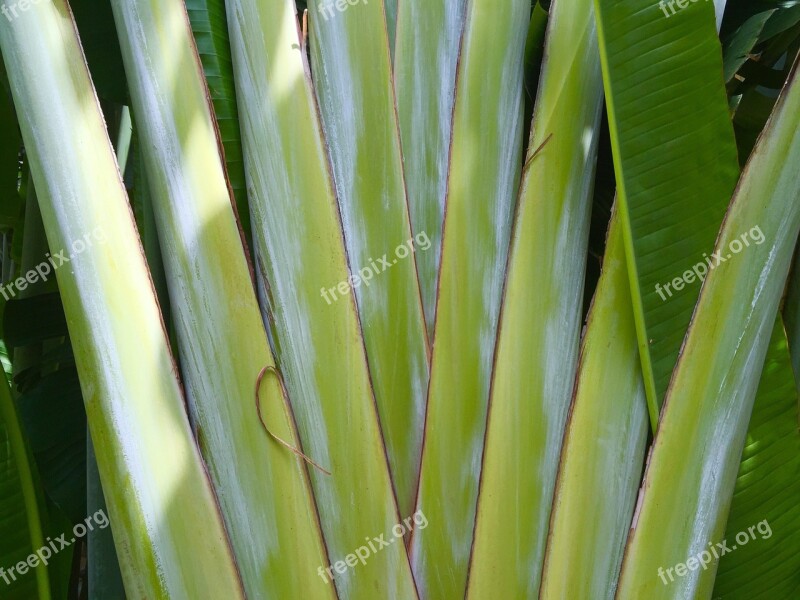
x=604, y=445
x=540, y=323
x=482, y=187
x=426, y=56
x=353, y=76
x=263, y=488
x=299, y=248
x=169, y=536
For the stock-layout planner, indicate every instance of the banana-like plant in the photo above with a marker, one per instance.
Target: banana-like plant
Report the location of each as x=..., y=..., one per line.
x=401, y=299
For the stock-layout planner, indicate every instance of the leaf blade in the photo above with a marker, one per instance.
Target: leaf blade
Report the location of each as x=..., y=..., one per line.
x=767, y=492
x=672, y=117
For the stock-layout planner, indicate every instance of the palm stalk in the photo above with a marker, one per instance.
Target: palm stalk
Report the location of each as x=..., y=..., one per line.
x=539, y=331
x=352, y=76
x=169, y=535
x=487, y=122
x=426, y=57
x=299, y=246
x=222, y=341
x=604, y=445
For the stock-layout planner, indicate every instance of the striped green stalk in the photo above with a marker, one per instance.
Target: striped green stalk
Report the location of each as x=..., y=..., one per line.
x=169, y=536
x=482, y=186
x=426, y=56
x=263, y=489
x=604, y=445
x=353, y=79
x=540, y=323
x=300, y=249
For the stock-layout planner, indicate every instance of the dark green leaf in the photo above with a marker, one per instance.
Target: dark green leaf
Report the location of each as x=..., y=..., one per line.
x=33, y=320
x=101, y=48
x=54, y=420
x=210, y=30
x=675, y=161
x=737, y=45
x=767, y=494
